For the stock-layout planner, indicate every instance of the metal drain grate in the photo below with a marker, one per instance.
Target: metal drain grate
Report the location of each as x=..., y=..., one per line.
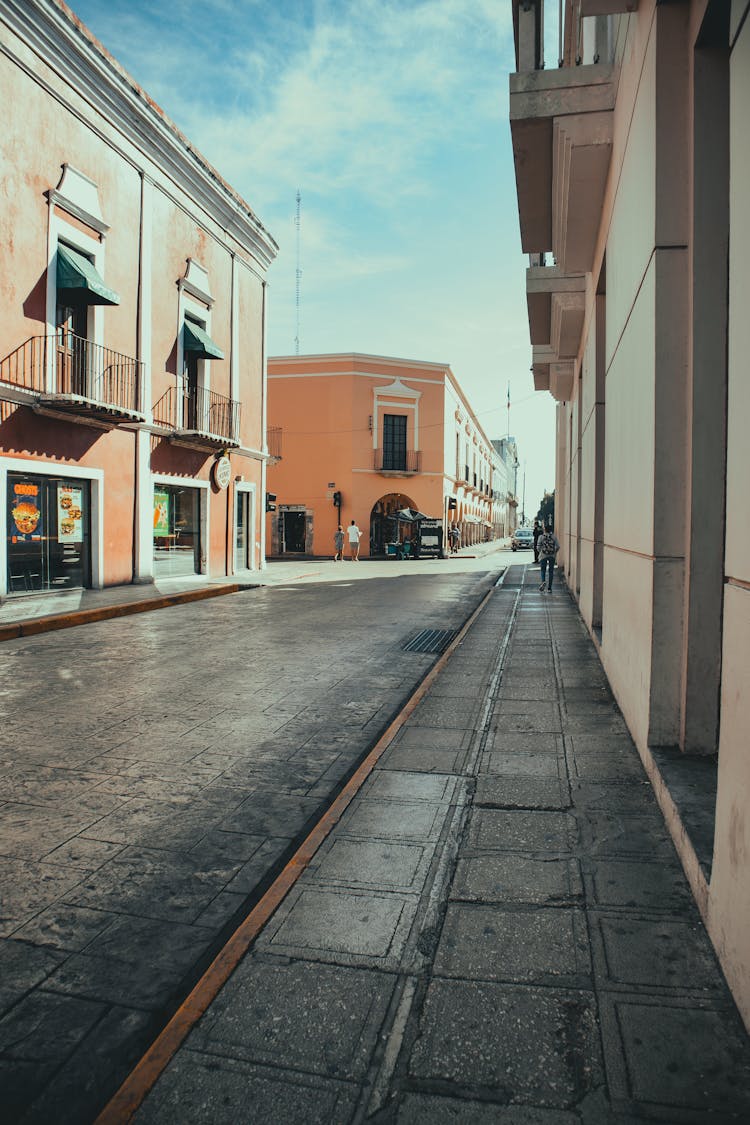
x=430, y=640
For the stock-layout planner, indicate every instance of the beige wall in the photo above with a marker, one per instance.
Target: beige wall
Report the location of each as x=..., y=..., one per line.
x=729, y=902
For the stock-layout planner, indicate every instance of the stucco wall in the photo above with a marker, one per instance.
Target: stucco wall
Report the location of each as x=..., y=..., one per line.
x=729, y=901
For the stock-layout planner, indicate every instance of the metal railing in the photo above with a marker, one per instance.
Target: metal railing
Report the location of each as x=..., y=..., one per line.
x=409, y=461
x=555, y=33
x=25, y=367
x=273, y=441
x=199, y=411
x=81, y=368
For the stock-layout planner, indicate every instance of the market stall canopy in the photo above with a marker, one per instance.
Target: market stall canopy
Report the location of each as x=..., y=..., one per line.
x=77, y=277
x=196, y=340
x=411, y=515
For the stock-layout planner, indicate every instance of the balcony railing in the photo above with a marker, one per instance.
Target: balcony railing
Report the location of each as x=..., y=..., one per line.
x=25, y=367
x=385, y=461
x=273, y=441
x=582, y=36
x=203, y=416
x=88, y=378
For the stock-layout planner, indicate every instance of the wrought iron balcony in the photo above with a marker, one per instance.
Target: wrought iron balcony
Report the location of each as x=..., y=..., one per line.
x=398, y=462
x=74, y=376
x=273, y=441
x=199, y=418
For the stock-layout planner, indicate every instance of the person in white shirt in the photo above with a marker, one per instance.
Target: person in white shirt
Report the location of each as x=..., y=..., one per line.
x=354, y=537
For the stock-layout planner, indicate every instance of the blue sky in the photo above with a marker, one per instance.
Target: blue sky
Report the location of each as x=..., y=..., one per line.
x=391, y=118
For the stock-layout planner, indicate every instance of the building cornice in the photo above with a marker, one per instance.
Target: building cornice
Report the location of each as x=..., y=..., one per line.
x=52, y=31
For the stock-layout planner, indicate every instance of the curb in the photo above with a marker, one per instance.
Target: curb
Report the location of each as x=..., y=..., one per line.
x=36, y=625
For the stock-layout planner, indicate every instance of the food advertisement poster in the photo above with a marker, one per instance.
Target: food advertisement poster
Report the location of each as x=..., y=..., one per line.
x=24, y=511
x=69, y=515
x=161, y=513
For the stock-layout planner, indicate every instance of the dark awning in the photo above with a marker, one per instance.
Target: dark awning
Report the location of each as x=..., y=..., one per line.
x=197, y=341
x=77, y=276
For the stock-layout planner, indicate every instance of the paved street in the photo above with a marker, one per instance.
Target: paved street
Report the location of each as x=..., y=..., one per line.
x=498, y=929
x=155, y=771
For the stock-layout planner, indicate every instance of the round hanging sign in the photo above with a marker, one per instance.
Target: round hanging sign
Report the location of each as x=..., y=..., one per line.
x=222, y=472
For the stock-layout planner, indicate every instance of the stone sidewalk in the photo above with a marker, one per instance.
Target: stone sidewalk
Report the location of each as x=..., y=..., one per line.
x=498, y=930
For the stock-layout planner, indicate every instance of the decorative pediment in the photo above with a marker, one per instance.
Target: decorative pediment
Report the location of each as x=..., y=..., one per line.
x=79, y=196
x=397, y=389
x=196, y=282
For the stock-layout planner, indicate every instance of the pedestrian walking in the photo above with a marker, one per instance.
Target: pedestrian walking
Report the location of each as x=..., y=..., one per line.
x=455, y=536
x=338, y=542
x=548, y=547
x=354, y=537
x=538, y=529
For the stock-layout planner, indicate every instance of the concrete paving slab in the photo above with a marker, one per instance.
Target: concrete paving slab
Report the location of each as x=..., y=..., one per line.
x=40, y=1034
x=658, y=887
x=64, y=927
x=511, y=830
x=29, y=887
x=426, y=1109
x=681, y=1057
x=533, y=945
x=517, y=879
x=426, y=761
x=505, y=1040
x=408, y=786
x=219, y=1090
x=521, y=793
x=350, y=928
x=372, y=864
x=314, y=1018
x=622, y=834
x=510, y=742
x=659, y=955
x=393, y=819
x=522, y=763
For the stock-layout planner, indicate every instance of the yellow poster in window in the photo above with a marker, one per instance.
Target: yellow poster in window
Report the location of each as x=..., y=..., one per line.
x=161, y=513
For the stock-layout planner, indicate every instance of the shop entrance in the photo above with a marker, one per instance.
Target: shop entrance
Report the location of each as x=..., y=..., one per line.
x=48, y=534
x=382, y=529
x=243, y=530
x=294, y=532
x=177, y=539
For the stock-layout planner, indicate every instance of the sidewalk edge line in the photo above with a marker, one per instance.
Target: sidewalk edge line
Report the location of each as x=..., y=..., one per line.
x=33, y=626
x=131, y=1094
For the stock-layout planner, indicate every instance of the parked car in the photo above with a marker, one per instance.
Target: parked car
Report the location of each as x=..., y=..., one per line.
x=522, y=539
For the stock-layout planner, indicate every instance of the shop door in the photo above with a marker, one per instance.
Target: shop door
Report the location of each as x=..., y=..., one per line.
x=177, y=540
x=294, y=532
x=48, y=534
x=243, y=558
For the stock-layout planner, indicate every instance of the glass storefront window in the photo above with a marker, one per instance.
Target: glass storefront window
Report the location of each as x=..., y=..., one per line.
x=176, y=531
x=48, y=533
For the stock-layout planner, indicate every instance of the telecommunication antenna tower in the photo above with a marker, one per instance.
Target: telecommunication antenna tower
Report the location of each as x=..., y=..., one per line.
x=298, y=273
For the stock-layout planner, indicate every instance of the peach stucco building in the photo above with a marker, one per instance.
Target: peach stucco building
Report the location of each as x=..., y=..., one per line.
x=132, y=367
x=633, y=172
x=364, y=436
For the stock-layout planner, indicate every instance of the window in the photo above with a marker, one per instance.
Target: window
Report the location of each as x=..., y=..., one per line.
x=394, y=441
x=197, y=346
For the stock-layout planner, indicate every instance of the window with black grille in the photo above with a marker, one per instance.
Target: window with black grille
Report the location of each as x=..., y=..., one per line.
x=394, y=441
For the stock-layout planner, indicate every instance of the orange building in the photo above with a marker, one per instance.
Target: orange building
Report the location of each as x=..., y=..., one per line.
x=366, y=436
x=132, y=367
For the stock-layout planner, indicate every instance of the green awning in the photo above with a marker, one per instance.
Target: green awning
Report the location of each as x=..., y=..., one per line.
x=198, y=341
x=76, y=275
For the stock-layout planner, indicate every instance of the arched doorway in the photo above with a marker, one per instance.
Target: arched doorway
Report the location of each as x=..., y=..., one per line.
x=381, y=527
